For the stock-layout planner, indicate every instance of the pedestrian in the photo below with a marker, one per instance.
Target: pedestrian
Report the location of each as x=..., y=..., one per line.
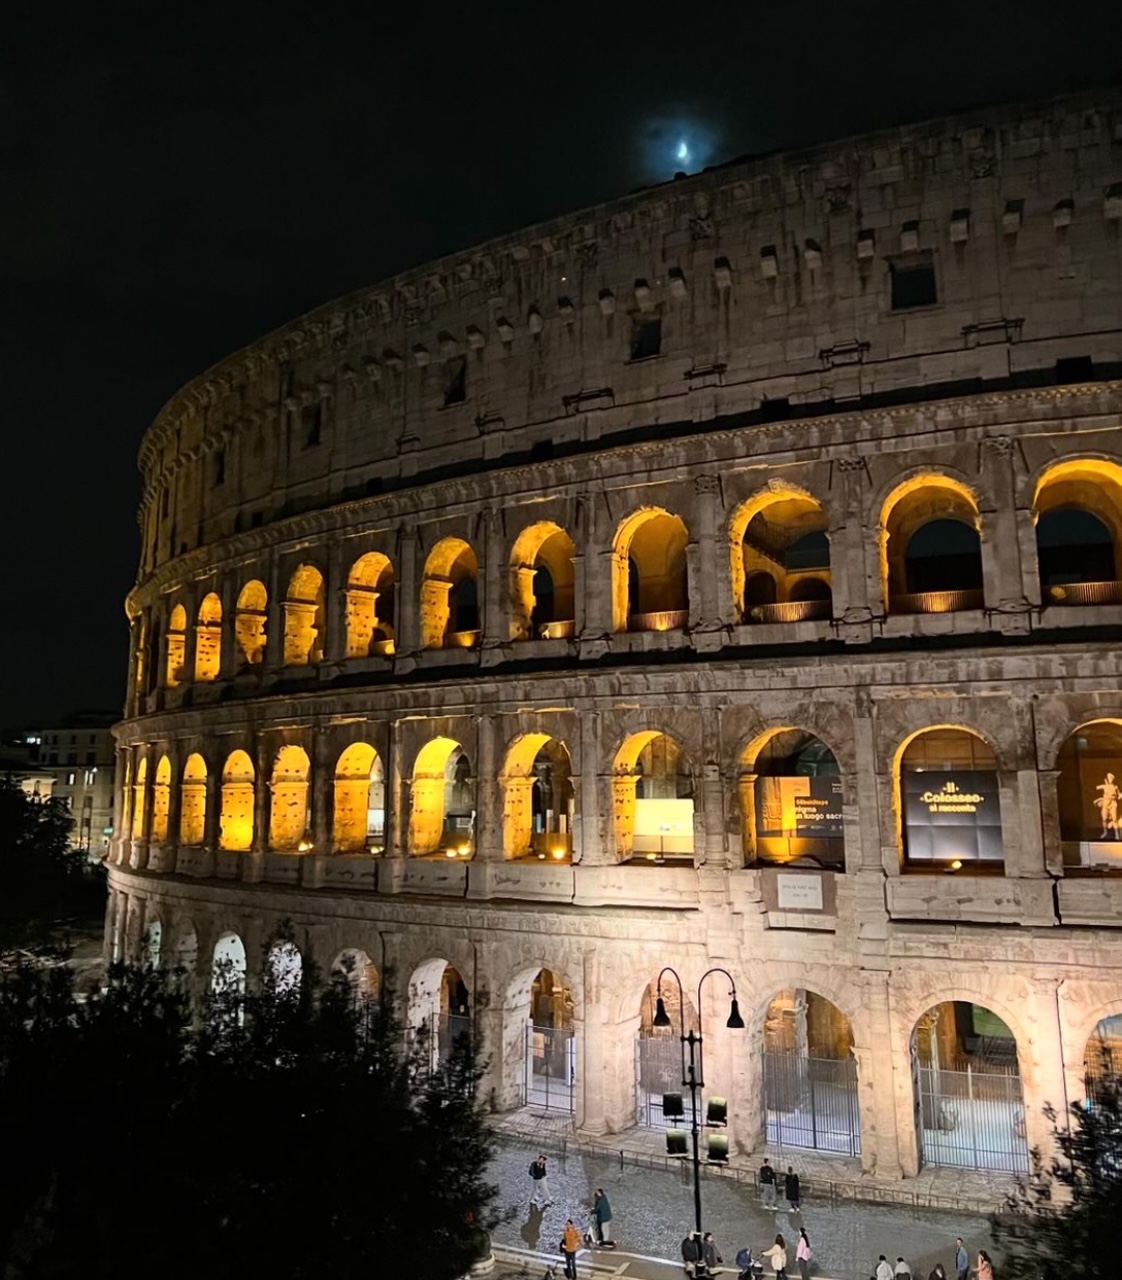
x=570, y=1243
x=602, y=1216
x=961, y=1259
x=791, y=1189
x=884, y=1269
x=802, y=1254
x=767, y=1185
x=938, y=1272
x=901, y=1270
x=690, y=1253
x=709, y=1253
x=778, y=1255
x=539, y=1183
x=985, y=1266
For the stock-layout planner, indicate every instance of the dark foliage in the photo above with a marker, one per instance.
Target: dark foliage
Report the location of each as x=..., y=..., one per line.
x=1065, y=1221
x=282, y=1133
x=45, y=883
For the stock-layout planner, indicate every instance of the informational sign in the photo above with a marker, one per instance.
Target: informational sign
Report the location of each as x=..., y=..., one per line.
x=799, y=808
x=952, y=815
x=799, y=892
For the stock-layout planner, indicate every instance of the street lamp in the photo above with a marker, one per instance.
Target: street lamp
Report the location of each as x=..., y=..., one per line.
x=693, y=1072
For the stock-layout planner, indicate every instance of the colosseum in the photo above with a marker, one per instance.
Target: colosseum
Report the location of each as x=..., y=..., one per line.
x=728, y=577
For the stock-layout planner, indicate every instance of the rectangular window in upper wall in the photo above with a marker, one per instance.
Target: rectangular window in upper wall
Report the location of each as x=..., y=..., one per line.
x=913, y=284
x=455, y=381
x=311, y=424
x=646, y=339
x=219, y=467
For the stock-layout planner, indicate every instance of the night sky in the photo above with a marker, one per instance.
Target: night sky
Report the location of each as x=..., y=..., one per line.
x=178, y=180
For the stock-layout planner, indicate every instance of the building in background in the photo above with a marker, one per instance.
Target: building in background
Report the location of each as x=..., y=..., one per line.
x=78, y=758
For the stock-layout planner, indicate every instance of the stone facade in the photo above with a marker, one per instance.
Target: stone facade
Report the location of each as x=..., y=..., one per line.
x=539, y=554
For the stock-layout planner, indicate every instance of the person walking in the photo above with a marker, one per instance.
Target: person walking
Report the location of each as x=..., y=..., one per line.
x=884, y=1269
x=938, y=1272
x=602, y=1216
x=901, y=1271
x=570, y=1244
x=961, y=1260
x=709, y=1253
x=778, y=1255
x=791, y=1190
x=539, y=1184
x=691, y=1253
x=767, y=1185
x=802, y=1254
x=985, y=1266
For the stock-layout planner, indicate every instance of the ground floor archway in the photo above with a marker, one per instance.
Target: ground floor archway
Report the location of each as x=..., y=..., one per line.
x=439, y=1012
x=658, y=1056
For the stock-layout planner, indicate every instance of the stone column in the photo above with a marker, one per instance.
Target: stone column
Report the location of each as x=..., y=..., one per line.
x=591, y=1066
x=1051, y=839
x=335, y=604
x=488, y=834
x=580, y=588
x=175, y=799
x=705, y=603
x=882, y=1078
x=714, y=849
x=397, y=806
x=496, y=628
x=213, y=815
x=587, y=844
x=1001, y=561
x=274, y=619
x=1042, y=1065
x=262, y=792
x=854, y=549
x=1028, y=555
x=320, y=820
x=407, y=625
x=229, y=657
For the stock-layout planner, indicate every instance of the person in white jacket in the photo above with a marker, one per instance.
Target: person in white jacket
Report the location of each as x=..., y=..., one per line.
x=778, y=1255
x=884, y=1269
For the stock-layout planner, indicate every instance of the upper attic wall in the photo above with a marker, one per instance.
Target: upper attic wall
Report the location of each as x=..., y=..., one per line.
x=775, y=270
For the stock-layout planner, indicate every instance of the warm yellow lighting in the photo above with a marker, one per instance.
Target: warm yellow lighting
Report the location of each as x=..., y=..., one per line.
x=304, y=846
x=956, y=865
x=389, y=648
x=449, y=853
x=558, y=852
x=464, y=850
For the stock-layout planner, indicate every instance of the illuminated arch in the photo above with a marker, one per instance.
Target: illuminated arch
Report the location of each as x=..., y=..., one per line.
x=930, y=547
x=161, y=801
x=538, y=798
x=140, y=797
x=304, y=617
x=249, y=622
x=174, y=668
x=449, y=596
x=228, y=965
x=288, y=810
x=192, y=801
x=208, y=638
x=442, y=800
x=791, y=800
x=235, y=822
x=1089, y=795
x=947, y=804
x=542, y=583
x=354, y=967
x=370, y=606
x=438, y=1010
x=650, y=578
x=1077, y=508
x=778, y=537
x=126, y=799
x=284, y=968
x=360, y=800
x=652, y=798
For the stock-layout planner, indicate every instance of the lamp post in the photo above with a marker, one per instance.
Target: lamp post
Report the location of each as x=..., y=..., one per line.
x=693, y=1070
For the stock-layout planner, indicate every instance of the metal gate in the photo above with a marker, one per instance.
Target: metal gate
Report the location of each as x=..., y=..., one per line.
x=551, y=1068
x=972, y=1119
x=431, y=1041
x=812, y=1103
x=658, y=1070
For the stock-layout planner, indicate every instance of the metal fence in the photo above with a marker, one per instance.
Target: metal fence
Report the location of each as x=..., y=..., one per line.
x=551, y=1068
x=972, y=1119
x=658, y=1070
x=812, y=1103
x=431, y=1041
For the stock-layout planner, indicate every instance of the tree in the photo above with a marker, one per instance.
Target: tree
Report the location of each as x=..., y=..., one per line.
x=283, y=1132
x=44, y=881
x=1063, y=1223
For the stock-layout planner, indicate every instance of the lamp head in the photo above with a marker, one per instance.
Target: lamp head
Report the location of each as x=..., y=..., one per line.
x=662, y=1018
x=735, y=1021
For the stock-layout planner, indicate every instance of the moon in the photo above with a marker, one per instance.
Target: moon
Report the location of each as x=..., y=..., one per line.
x=683, y=153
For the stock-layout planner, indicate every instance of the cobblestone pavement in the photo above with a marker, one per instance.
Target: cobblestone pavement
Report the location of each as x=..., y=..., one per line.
x=653, y=1209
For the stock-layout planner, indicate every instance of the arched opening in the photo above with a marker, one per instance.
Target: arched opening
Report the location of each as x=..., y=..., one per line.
x=208, y=638
x=542, y=1000
x=249, y=623
x=235, y=821
x=810, y=1075
x=1078, y=509
x=542, y=584
x=780, y=558
x=358, y=971
x=153, y=941
x=304, y=618
x=126, y=801
x=659, y=1054
x=370, y=606
x=652, y=799
x=140, y=796
x=970, y=1111
x=791, y=801
x=442, y=801
x=931, y=553
x=228, y=966
x=1089, y=795
x=650, y=580
x=284, y=968
x=192, y=801
x=161, y=801
x=175, y=668
x=1102, y=1058
x=288, y=811
x=948, y=801
x=449, y=597
x=538, y=799
x=360, y=800
x=439, y=1012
